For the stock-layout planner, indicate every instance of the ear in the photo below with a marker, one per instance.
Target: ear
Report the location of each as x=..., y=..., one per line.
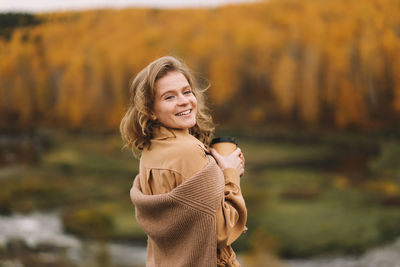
x=153, y=116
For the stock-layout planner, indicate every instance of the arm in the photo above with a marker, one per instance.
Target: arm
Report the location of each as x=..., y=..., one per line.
x=232, y=215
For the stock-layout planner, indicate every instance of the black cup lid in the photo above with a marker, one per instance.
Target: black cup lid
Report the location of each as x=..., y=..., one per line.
x=223, y=140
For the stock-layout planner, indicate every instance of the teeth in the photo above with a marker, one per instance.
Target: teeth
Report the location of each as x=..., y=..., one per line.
x=184, y=113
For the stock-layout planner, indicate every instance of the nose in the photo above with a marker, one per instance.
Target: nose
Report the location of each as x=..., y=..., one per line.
x=182, y=100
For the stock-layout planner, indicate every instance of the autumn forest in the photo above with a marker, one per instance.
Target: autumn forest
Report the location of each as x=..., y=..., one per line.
x=310, y=63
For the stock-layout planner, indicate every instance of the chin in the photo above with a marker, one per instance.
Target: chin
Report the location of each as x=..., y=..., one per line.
x=192, y=124
x=187, y=125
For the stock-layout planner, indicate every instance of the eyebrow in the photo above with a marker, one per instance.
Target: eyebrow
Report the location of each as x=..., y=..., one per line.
x=169, y=91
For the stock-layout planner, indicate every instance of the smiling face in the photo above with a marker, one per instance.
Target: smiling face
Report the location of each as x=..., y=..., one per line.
x=175, y=105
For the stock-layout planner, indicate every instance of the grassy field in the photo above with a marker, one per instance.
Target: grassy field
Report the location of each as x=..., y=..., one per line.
x=306, y=196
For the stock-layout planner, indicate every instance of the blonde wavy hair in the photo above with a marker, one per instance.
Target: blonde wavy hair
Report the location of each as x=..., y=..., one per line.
x=137, y=125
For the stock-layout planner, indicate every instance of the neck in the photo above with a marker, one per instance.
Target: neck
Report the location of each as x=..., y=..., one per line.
x=179, y=131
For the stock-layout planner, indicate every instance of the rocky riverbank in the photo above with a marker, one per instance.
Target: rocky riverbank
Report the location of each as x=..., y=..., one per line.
x=384, y=256
x=37, y=239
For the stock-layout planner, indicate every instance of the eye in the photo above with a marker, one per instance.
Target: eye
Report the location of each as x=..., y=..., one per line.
x=169, y=97
x=187, y=92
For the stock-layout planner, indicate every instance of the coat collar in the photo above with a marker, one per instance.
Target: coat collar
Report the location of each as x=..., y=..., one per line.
x=162, y=133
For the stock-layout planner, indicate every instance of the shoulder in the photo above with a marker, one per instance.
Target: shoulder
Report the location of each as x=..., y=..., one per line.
x=183, y=154
x=188, y=147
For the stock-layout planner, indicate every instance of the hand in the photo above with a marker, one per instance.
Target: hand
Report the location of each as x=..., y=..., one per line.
x=235, y=160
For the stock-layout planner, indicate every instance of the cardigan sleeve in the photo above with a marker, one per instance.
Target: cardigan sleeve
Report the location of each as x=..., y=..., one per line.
x=232, y=214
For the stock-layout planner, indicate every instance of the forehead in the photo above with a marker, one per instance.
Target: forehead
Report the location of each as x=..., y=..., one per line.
x=172, y=81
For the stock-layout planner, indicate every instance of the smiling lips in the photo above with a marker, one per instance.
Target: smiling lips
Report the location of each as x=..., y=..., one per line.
x=186, y=112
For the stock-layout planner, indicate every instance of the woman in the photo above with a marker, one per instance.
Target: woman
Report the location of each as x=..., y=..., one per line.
x=188, y=202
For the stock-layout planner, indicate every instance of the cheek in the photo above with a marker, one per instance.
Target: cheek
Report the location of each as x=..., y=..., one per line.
x=161, y=110
x=194, y=101
x=162, y=107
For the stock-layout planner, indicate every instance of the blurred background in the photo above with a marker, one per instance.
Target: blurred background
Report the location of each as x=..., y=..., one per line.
x=309, y=88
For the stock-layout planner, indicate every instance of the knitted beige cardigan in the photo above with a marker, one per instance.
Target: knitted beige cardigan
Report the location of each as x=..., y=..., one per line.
x=181, y=224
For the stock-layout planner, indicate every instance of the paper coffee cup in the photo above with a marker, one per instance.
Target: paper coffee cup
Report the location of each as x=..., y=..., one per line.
x=224, y=145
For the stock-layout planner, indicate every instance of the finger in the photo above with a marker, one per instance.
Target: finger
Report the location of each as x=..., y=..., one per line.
x=237, y=152
x=215, y=154
x=242, y=157
x=241, y=172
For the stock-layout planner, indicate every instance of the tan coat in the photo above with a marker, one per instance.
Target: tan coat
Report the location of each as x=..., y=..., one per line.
x=180, y=224
x=173, y=157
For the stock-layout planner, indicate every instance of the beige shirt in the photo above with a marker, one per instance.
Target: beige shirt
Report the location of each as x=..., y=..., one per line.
x=173, y=157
